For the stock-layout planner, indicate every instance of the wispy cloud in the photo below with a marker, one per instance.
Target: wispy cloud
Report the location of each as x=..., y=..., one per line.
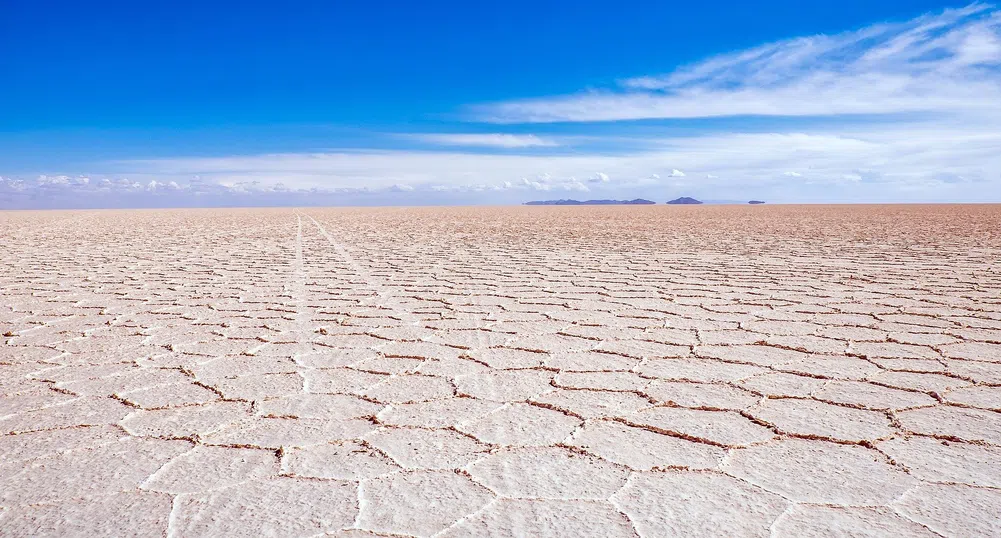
x=495, y=140
x=946, y=66
x=899, y=162
x=942, y=63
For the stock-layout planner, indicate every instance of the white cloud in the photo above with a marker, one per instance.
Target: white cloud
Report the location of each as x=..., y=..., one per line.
x=935, y=63
x=62, y=180
x=903, y=162
x=497, y=140
x=11, y=185
x=574, y=185
x=535, y=185
x=944, y=65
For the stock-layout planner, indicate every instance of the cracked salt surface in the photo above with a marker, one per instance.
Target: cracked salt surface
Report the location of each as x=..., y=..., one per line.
x=708, y=371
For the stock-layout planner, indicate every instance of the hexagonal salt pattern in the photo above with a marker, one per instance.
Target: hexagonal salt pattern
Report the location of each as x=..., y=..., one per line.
x=600, y=371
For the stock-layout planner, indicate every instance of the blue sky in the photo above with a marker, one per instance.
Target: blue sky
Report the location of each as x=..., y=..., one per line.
x=219, y=103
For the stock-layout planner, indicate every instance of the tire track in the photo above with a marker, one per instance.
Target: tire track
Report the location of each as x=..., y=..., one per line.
x=385, y=295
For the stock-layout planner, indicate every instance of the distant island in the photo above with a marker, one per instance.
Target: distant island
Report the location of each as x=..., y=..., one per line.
x=684, y=200
x=755, y=202
x=638, y=201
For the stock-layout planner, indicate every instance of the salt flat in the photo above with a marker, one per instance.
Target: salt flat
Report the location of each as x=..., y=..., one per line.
x=533, y=371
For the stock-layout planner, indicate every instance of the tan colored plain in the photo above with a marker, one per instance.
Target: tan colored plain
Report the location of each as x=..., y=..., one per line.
x=516, y=371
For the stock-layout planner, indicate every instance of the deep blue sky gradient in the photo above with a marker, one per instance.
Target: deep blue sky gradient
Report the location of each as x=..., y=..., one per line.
x=296, y=94
x=190, y=64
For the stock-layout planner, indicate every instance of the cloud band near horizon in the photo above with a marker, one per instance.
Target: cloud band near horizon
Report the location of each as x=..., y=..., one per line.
x=911, y=114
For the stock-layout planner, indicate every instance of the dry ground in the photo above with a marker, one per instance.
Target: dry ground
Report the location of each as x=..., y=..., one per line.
x=623, y=371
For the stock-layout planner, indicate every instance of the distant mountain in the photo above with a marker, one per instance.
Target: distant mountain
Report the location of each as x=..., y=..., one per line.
x=638, y=201
x=755, y=202
x=684, y=200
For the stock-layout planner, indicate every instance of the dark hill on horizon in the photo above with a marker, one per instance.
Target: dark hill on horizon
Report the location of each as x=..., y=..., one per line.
x=684, y=200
